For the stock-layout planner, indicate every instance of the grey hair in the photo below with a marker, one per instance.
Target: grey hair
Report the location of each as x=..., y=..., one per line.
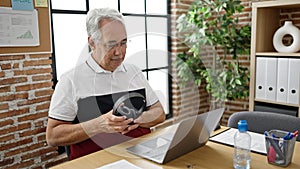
x=95, y=16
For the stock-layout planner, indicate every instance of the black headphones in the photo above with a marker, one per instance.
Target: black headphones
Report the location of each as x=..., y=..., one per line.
x=123, y=110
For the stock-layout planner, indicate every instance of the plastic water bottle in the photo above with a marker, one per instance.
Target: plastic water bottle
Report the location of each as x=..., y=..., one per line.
x=242, y=145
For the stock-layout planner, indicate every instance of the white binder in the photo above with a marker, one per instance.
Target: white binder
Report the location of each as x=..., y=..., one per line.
x=282, y=79
x=271, y=79
x=260, y=92
x=294, y=81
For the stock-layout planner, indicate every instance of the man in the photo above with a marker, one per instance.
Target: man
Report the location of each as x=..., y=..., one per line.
x=80, y=113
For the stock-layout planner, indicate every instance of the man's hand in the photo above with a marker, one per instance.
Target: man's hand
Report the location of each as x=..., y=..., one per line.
x=111, y=123
x=129, y=128
x=117, y=123
x=107, y=123
x=152, y=116
x=60, y=133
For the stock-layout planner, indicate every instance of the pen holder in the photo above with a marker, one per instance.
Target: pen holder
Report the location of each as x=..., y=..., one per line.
x=280, y=148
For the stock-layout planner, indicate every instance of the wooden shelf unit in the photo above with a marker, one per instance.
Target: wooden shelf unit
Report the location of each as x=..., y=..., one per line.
x=265, y=21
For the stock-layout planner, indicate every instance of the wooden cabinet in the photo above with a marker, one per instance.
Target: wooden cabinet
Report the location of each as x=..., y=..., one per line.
x=267, y=17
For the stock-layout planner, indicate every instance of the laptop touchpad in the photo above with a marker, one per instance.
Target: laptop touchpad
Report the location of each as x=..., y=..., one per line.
x=139, y=149
x=155, y=143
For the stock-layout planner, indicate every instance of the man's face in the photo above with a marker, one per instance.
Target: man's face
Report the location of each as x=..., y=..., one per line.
x=110, y=51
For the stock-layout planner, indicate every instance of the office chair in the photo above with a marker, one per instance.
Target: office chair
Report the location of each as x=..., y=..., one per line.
x=68, y=151
x=264, y=121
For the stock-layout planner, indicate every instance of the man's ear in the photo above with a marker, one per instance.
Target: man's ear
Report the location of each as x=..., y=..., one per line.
x=91, y=43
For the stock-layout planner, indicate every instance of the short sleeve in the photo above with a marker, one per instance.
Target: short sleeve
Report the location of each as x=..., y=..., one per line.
x=63, y=105
x=151, y=96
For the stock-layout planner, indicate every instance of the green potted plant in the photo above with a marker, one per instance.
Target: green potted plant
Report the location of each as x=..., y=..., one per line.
x=215, y=24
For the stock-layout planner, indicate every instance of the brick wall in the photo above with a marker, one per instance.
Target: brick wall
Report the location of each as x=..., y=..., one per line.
x=188, y=99
x=26, y=88
x=25, y=92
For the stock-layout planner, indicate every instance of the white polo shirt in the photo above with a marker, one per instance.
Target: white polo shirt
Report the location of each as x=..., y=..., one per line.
x=89, y=79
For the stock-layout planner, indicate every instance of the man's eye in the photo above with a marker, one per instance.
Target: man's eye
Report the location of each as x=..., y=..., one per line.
x=123, y=43
x=111, y=45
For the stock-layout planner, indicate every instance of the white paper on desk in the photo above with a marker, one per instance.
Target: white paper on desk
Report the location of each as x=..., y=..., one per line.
x=257, y=140
x=120, y=164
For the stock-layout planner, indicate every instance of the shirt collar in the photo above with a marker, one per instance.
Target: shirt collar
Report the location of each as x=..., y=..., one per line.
x=98, y=69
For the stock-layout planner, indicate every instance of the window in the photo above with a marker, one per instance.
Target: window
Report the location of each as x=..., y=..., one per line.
x=148, y=43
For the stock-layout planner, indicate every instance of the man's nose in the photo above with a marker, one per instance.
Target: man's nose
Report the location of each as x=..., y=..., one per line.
x=118, y=49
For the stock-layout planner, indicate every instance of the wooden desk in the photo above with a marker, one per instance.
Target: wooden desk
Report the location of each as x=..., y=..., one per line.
x=210, y=156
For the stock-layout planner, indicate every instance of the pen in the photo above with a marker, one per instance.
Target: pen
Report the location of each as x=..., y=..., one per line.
x=272, y=154
x=267, y=135
x=294, y=134
x=287, y=136
x=275, y=146
x=275, y=138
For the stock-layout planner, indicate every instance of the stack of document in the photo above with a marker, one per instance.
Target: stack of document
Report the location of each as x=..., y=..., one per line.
x=226, y=137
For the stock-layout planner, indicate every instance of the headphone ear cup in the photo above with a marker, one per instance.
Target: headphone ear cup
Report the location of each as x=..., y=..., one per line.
x=123, y=111
x=132, y=114
x=129, y=113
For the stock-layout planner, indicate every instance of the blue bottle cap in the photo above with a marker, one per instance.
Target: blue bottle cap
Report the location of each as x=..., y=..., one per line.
x=243, y=125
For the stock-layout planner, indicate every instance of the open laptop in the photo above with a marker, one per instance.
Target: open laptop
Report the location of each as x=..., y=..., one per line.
x=190, y=133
